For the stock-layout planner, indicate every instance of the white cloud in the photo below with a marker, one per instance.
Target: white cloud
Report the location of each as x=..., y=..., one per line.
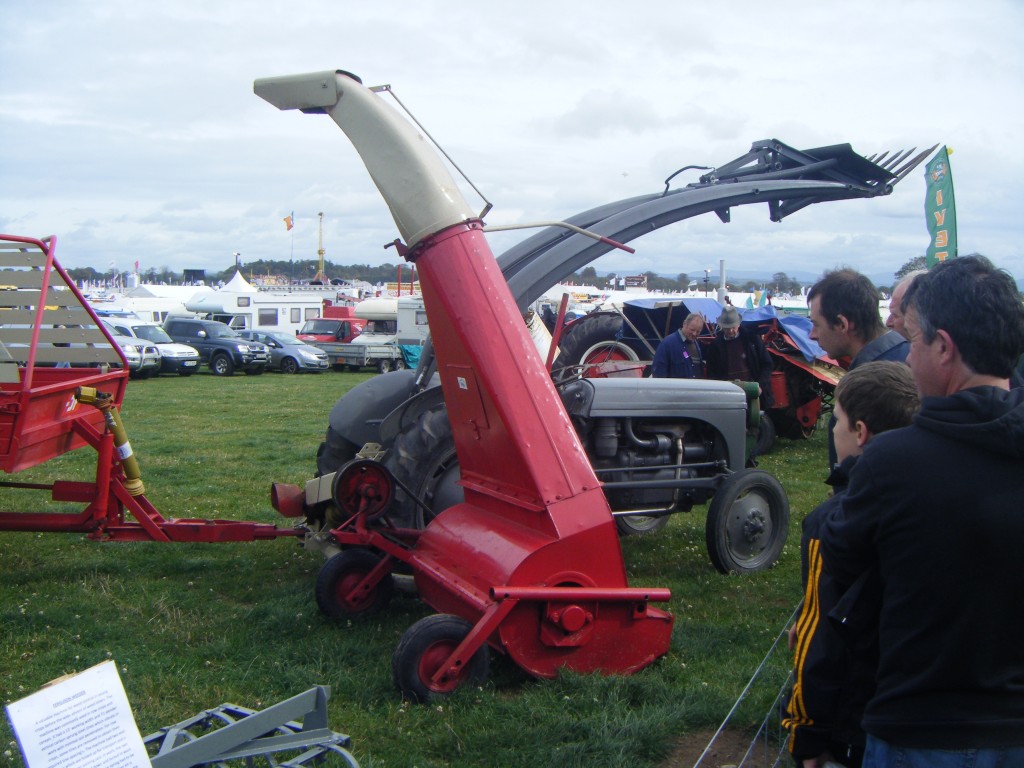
x=130, y=130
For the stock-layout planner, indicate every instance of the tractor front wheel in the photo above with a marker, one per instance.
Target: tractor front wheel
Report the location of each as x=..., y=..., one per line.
x=765, y=435
x=632, y=525
x=424, y=648
x=747, y=523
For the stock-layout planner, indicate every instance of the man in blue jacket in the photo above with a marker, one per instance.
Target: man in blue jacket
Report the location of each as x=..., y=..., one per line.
x=938, y=510
x=679, y=355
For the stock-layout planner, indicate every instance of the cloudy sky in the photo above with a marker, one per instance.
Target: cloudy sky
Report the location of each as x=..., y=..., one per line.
x=130, y=130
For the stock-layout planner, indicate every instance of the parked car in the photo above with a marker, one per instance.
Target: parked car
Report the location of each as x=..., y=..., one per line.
x=219, y=346
x=174, y=357
x=143, y=357
x=287, y=353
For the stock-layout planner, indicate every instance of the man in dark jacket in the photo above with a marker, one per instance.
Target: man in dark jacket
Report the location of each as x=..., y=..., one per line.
x=936, y=508
x=843, y=308
x=737, y=354
x=679, y=355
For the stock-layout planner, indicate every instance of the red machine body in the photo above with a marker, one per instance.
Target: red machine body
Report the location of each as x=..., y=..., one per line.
x=534, y=513
x=531, y=559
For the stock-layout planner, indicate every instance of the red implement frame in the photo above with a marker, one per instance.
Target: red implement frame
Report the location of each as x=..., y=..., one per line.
x=52, y=345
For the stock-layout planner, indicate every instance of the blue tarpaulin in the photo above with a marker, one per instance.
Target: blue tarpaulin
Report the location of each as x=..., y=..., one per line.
x=411, y=354
x=656, y=317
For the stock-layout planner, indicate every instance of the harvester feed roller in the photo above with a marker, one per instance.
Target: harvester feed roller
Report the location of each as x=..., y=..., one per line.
x=530, y=563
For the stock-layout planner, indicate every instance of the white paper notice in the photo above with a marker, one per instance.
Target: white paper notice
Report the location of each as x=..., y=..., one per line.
x=83, y=721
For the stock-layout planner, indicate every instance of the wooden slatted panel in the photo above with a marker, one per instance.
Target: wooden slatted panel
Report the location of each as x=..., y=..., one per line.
x=37, y=405
x=21, y=255
x=67, y=333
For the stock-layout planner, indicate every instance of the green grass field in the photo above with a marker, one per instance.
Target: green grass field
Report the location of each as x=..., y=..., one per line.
x=191, y=626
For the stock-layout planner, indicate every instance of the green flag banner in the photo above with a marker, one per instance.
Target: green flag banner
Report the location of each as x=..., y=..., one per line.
x=940, y=209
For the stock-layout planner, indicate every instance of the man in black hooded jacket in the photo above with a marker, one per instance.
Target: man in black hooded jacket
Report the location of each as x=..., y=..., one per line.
x=937, y=509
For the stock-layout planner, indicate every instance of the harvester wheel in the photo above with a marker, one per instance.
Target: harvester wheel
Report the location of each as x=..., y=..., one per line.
x=340, y=575
x=424, y=648
x=747, y=523
x=633, y=525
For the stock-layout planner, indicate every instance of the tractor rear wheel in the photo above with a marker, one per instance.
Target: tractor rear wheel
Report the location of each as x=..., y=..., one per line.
x=424, y=648
x=590, y=349
x=747, y=523
x=334, y=453
x=423, y=458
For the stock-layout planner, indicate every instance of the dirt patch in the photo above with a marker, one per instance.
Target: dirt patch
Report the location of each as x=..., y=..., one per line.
x=727, y=751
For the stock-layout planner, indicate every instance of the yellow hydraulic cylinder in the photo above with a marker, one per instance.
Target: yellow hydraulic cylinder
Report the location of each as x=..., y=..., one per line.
x=103, y=402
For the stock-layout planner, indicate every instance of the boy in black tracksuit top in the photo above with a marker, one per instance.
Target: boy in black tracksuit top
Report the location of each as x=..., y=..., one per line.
x=833, y=678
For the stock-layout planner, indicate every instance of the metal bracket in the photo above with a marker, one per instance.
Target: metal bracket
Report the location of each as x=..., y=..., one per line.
x=236, y=733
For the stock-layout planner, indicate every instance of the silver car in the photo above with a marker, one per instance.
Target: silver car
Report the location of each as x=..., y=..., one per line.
x=174, y=357
x=143, y=357
x=287, y=353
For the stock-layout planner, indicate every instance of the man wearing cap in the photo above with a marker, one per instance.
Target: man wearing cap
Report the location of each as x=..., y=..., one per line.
x=737, y=355
x=679, y=355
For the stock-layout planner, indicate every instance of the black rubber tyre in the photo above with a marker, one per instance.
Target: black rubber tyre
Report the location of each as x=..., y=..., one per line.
x=423, y=458
x=421, y=651
x=637, y=525
x=400, y=364
x=221, y=365
x=765, y=435
x=590, y=340
x=334, y=453
x=383, y=366
x=289, y=365
x=340, y=575
x=747, y=522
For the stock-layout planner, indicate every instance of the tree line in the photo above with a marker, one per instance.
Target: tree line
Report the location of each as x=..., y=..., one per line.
x=303, y=270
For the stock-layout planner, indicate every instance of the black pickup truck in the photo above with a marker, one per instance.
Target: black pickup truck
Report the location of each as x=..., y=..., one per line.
x=219, y=346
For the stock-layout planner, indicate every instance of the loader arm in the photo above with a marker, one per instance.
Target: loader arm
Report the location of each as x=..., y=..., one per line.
x=788, y=180
x=771, y=172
